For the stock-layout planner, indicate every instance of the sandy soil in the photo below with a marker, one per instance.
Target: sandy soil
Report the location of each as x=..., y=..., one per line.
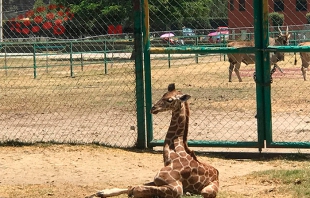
x=67, y=171
x=79, y=171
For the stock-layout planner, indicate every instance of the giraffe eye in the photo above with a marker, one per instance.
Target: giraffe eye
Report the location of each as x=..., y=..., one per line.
x=170, y=100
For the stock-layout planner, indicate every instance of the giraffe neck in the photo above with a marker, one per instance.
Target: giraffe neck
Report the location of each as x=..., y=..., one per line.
x=176, y=138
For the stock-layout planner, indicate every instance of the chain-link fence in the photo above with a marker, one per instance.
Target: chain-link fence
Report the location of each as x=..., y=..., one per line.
x=66, y=77
x=68, y=72
x=220, y=111
x=225, y=112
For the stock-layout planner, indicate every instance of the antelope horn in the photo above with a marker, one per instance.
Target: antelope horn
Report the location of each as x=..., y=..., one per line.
x=286, y=30
x=280, y=31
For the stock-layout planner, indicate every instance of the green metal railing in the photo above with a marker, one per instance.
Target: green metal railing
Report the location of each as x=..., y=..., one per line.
x=43, y=50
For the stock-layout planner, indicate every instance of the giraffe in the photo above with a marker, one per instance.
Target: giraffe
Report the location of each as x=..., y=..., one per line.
x=182, y=172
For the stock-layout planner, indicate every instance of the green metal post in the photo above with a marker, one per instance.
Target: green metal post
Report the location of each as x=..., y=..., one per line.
x=46, y=61
x=147, y=73
x=196, y=55
x=295, y=43
x=82, y=59
x=71, y=61
x=262, y=68
x=5, y=61
x=169, y=56
x=223, y=45
x=34, y=62
x=141, y=139
x=82, y=62
x=105, y=57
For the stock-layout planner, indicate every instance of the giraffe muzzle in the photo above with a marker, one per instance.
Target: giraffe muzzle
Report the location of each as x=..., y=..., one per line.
x=154, y=110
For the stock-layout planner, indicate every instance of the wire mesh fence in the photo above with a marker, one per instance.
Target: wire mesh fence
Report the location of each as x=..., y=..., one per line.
x=220, y=111
x=77, y=97
x=66, y=77
x=223, y=111
x=68, y=72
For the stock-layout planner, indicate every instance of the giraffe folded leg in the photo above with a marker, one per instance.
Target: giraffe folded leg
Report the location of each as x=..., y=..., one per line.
x=111, y=192
x=167, y=191
x=211, y=190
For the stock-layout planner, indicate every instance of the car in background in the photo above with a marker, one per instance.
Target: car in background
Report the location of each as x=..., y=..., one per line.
x=221, y=34
x=188, y=32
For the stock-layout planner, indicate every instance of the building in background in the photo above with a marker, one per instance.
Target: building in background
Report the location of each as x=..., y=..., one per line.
x=241, y=12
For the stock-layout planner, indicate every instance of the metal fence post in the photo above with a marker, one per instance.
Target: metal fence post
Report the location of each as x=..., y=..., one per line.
x=141, y=139
x=46, y=61
x=147, y=73
x=5, y=61
x=196, y=55
x=71, y=61
x=262, y=69
x=105, y=57
x=295, y=43
x=82, y=59
x=169, y=56
x=34, y=62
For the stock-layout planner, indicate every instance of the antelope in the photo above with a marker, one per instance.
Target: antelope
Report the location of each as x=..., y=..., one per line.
x=236, y=59
x=305, y=60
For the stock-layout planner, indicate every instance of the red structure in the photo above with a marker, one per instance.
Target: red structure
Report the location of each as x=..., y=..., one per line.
x=240, y=12
x=44, y=19
x=115, y=29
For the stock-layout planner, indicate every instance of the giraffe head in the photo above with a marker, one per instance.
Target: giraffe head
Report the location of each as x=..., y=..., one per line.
x=171, y=100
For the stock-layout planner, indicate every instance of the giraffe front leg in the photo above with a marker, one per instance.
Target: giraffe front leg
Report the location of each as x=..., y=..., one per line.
x=173, y=190
x=211, y=190
x=111, y=192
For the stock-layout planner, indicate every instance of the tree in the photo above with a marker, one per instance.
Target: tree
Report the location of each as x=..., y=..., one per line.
x=308, y=17
x=219, y=9
x=168, y=12
x=276, y=18
x=38, y=3
x=93, y=16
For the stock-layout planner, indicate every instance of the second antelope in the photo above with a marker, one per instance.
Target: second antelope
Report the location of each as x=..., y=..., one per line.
x=236, y=59
x=305, y=60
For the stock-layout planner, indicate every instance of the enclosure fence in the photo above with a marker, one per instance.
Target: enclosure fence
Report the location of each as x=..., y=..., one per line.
x=258, y=112
x=69, y=77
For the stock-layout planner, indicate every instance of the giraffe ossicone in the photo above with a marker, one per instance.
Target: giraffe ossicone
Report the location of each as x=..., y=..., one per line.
x=182, y=172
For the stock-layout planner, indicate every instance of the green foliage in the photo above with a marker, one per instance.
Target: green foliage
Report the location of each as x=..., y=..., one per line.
x=168, y=12
x=308, y=17
x=164, y=14
x=38, y=3
x=219, y=9
x=93, y=15
x=276, y=18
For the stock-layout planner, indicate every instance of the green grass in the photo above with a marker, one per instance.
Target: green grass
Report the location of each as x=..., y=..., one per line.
x=291, y=182
x=221, y=194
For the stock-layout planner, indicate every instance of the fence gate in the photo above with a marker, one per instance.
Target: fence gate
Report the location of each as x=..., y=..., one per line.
x=253, y=113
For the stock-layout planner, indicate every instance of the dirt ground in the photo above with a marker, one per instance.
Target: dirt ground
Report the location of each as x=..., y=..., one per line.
x=79, y=171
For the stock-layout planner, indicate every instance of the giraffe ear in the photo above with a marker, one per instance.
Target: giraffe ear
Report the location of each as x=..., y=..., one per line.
x=171, y=87
x=185, y=97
